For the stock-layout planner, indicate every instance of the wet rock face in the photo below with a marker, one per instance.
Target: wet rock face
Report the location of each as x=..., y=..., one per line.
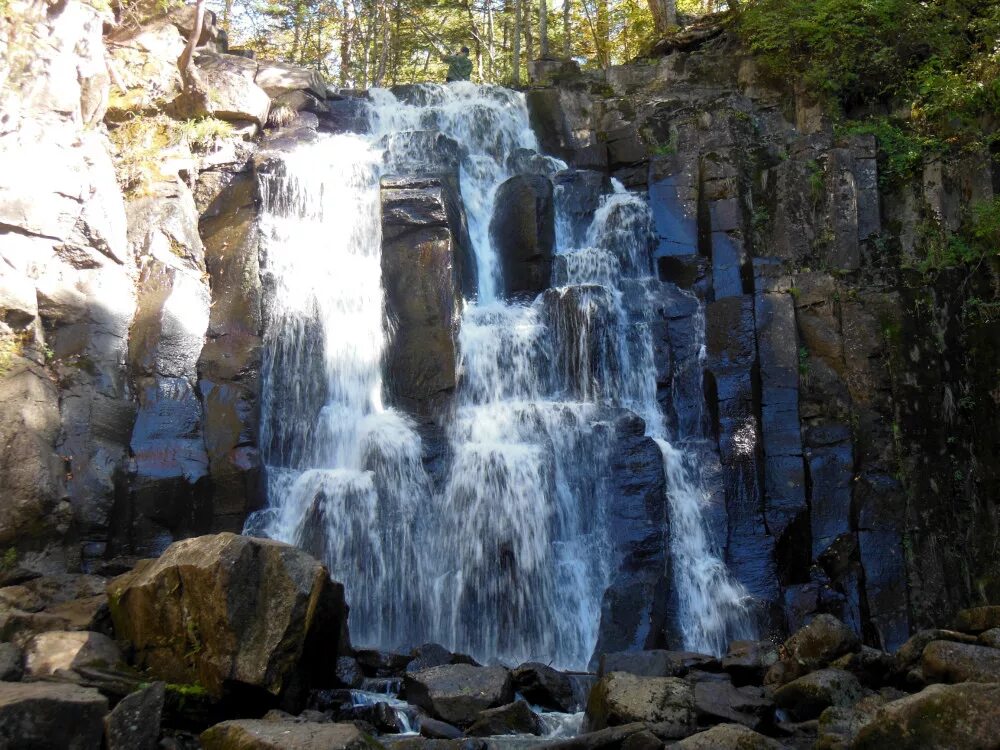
x=225, y=608
x=523, y=233
x=457, y=693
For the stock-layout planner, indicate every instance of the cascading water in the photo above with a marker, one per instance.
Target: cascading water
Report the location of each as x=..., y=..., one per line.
x=509, y=559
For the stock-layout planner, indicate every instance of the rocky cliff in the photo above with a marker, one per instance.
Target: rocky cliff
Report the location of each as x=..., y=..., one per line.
x=852, y=397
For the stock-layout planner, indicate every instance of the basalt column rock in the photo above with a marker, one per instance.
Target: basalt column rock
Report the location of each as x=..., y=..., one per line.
x=523, y=232
x=422, y=268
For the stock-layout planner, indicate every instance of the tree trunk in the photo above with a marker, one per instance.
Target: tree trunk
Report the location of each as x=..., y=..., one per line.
x=602, y=34
x=516, y=78
x=543, y=28
x=185, y=61
x=346, y=31
x=567, y=42
x=664, y=14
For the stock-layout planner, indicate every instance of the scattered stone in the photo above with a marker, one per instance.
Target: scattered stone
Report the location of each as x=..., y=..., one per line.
x=438, y=730
x=728, y=737
x=456, y=693
x=622, y=698
x=515, y=718
x=656, y=663
x=839, y=725
x=943, y=661
x=748, y=661
x=544, y=686
x=285, y=735
x=56, y=652
x=228, y=608
x=816, y=645
x=720, y=701
x=806, y=697
x=978, y=619
x=908, y=655
x=134, y=724
x=51, y=716
x=940, y=717
x=11, y=662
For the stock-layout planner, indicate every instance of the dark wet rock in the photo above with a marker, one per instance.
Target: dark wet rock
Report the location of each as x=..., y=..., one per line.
x=719, y=701
x=247, y=734
x=940, y=717
x=424, y=743
x=523, y=231
x=871, y=666
x=944, y=661
x=64, y=601
x=421, y=153
x=564, y=121
x=728, y=737
x=622, y=698
x=457, y=693
x=429, y=655
x=376, y=663
x=747, y=661
x=578, y=195
x=642, y=741
x=63, y=652
x=438, y=730
x=423, y=266
x=602, y=739
x=634, y=609
x=134, y=724
x=11, y=662
x=224, y=609
x=817, y=644
x=978, y=619
x=806, y=697
x=349, y=672
x=51, y=716
x=526, y=161
x=515, y=718
x=656, y=663
x=541, y=685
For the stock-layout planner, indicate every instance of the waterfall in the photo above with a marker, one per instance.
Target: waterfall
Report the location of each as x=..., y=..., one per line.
x=509, y=558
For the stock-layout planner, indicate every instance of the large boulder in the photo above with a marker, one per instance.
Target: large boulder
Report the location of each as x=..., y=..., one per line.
x=656, y=663
x=978, y=619
x=717, y=700
x=748, y=661
x=456, y=693
x=728, y=737
x=940, y=717
x=51, y=716
x=817, y=644
x=806, y=697
x=944, y=661
x=285, y=735
x=228, y=95
x=523, y=232
x=622, y=698
x=11, y=662
x=278, y=78
x=228, y=608
x=909, y=654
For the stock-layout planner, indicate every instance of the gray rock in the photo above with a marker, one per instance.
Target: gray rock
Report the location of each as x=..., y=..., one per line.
x=720, y=701
x=50, y=654
x=944, y=661
x=806, y=697
x=940, y=717
x=51, y=716
x=817, y=644
x=747, y=661
x=250, y=734
x=457, y=693
x=978, y=619
x=349, y=672
x=438, y=730
x=656, y=663
x=839, y=725
x=134, y=724
x=728, y=737
x=910, y=653
x=514, y=718
x=278, y=78
x=621, y=698
x=990, y=638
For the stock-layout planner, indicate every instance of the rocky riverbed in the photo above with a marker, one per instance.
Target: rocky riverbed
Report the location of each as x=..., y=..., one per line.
x=229, y=642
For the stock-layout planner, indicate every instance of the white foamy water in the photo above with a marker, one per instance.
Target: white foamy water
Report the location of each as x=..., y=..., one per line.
x=509, y=559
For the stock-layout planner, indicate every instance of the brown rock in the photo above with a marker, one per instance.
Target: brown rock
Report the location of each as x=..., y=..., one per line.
x=51, y=716
x=622, y=698
x=285, y=735
x=943, y=661
x=728, y=737
x=978, y=619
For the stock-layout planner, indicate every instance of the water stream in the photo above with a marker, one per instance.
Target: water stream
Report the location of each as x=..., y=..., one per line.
x=509, y=558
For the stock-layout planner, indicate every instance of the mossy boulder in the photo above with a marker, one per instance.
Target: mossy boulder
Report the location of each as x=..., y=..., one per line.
x=816, y=645
x=807, y=697
x=285, y=735
x=940, y=717
x=944, y=661
x=622, y=698
x=224, y=608
x=728, y=737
